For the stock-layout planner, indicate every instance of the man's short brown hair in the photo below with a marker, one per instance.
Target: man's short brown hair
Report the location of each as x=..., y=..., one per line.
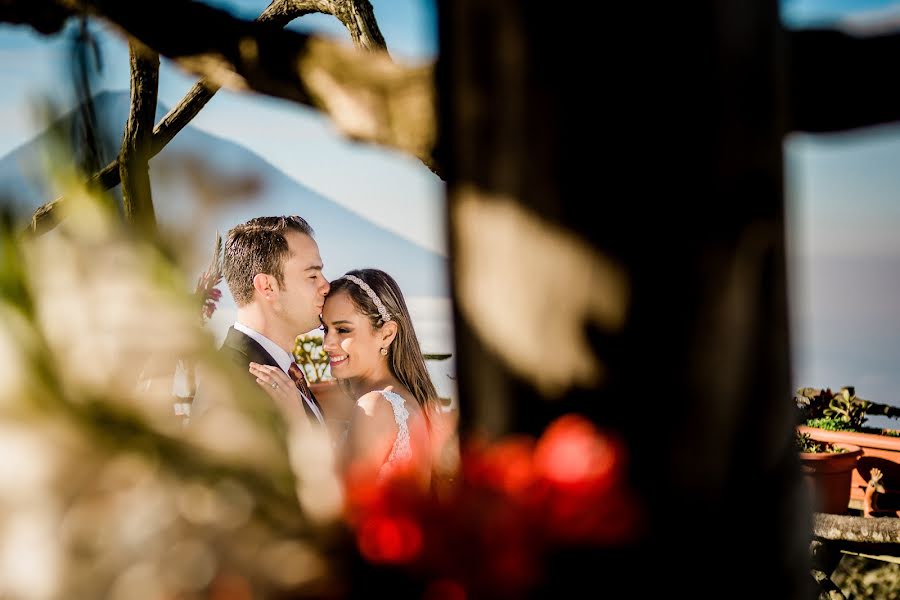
x=258, y=246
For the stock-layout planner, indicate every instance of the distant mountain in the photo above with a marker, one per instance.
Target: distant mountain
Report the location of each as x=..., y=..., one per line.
x=346, y=239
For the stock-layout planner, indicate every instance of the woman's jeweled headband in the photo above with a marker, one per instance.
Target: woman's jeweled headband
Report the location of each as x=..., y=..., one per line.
x=385, y=315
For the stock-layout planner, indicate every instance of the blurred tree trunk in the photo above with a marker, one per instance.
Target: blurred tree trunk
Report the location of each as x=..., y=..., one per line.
x=620, y=252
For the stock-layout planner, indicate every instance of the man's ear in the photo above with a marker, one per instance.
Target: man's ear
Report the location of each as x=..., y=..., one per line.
x=388, y=333
x=264, y=284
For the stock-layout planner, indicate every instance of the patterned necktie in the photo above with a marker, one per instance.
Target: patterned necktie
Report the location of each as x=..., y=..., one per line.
x=296, y=374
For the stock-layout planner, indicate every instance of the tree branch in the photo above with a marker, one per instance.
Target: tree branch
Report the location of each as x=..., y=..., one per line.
x=877, y=408
x=359, y=19
x=357, y=16
x=45, y=16
x=369, y=97
x=134, y=157
x=44, y=218
x=282, y=12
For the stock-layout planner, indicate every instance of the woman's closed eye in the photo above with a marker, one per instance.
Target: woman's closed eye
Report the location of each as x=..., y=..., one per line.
x=341, y=330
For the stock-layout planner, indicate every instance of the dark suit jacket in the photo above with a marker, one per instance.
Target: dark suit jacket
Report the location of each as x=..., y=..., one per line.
x=242, y=349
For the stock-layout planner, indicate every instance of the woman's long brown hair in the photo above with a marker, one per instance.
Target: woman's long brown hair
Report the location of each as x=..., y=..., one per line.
x=405, y=358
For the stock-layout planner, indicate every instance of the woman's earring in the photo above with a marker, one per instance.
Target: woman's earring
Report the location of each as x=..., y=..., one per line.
x=384, y=351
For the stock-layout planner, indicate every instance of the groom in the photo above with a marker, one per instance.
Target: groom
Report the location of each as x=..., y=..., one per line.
x=274, y=271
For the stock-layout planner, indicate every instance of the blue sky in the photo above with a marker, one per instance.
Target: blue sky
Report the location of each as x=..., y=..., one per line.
x=842, y=191
x=825, y=13
x=843, y=218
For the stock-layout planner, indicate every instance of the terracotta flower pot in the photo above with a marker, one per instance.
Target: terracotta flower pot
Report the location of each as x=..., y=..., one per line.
x=828, y=475
x=881, y=451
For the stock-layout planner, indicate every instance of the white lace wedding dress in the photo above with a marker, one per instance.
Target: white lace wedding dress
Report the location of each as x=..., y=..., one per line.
x=401, y=451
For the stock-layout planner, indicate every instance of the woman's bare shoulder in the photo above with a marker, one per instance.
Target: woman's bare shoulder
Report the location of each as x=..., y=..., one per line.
x=374, y=403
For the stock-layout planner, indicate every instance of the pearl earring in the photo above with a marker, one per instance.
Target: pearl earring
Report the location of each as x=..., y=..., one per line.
x=384, y=351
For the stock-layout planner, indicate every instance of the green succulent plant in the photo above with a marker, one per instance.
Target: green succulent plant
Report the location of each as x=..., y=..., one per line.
x=804, y=443
x=841, y=410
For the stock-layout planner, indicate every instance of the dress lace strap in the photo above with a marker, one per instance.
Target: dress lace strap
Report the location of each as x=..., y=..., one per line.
x=401, y=448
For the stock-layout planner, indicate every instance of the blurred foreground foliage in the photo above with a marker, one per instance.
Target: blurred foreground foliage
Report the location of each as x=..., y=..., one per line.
x=103, y=492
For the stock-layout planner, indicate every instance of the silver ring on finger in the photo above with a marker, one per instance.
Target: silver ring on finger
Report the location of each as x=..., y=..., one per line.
x=274, y=385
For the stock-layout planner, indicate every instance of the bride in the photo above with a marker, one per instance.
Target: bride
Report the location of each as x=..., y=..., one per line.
x=375, y=356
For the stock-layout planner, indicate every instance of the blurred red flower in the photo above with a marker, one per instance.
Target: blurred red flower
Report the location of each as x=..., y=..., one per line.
x=206, y=290
x=516, y=501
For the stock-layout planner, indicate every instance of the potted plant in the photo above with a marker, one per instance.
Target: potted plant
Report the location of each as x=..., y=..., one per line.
x=840, y=418
x=827, y=470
